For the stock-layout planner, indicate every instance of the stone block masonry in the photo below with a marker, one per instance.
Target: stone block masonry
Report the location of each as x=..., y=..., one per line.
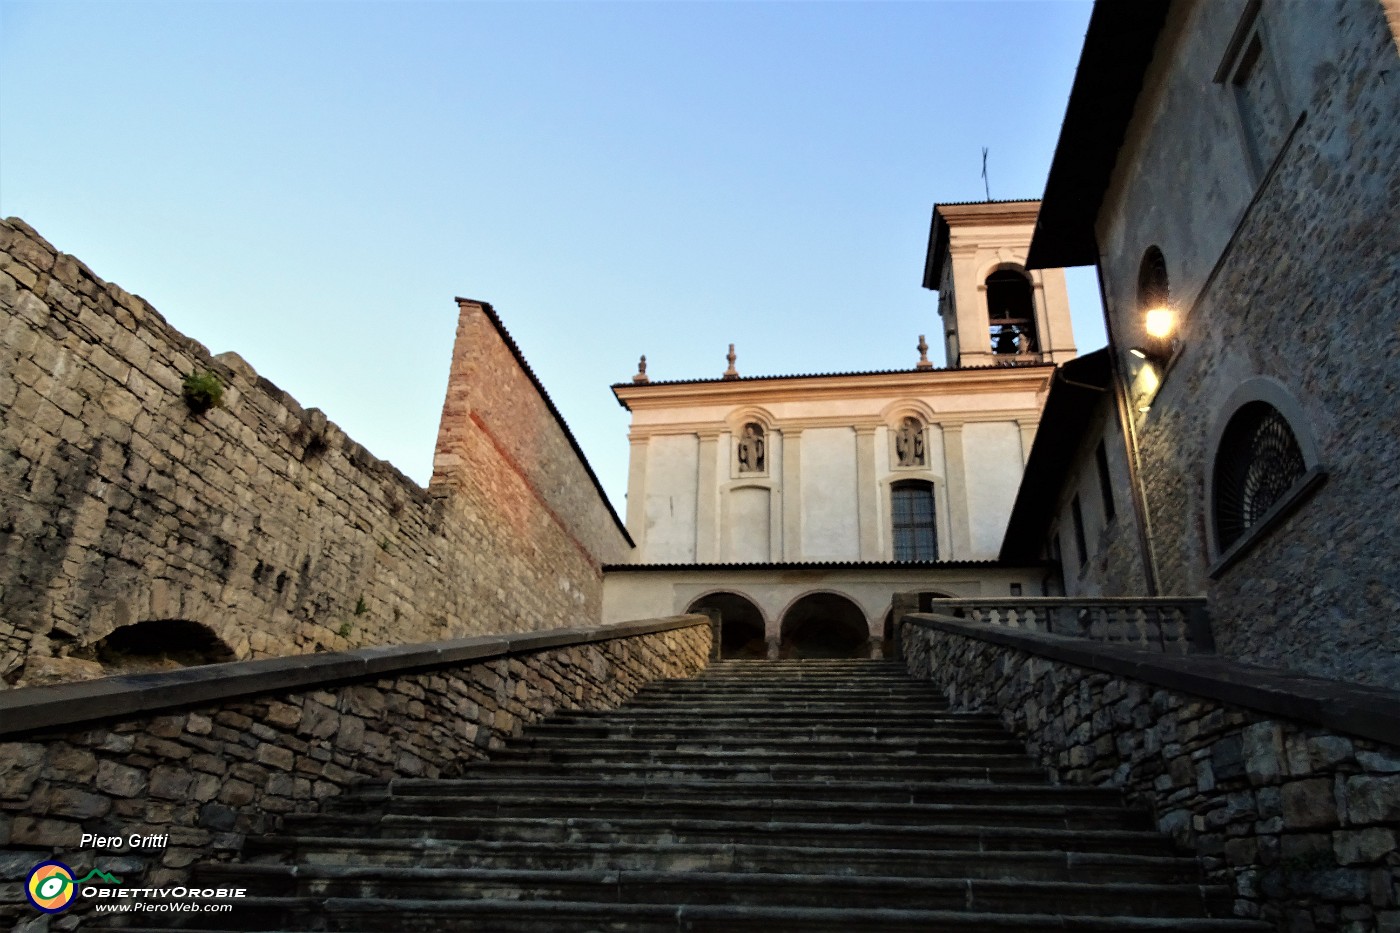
x=1287, y=786
x=193, y=761
x=259, y=521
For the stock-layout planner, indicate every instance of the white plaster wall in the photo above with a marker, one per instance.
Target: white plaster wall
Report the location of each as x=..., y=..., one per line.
x=747, y=521
x=992, y=452
x=672, y=478
x=830, y=520
x=631, y=595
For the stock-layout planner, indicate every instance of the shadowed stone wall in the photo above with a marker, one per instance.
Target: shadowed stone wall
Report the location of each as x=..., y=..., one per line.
x=1299, y=813
x=260, y=520
x=1276, y=203
x=208, y=774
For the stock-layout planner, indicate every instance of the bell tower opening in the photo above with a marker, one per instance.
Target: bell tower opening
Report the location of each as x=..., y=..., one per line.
x=1011, y=314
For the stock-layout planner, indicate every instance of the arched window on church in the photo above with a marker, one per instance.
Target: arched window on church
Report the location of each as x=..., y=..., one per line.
x=1011, y=313
x=1258, y=463
x=914, y=529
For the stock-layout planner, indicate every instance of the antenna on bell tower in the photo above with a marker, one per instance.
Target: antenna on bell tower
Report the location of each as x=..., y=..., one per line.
x=986, y=184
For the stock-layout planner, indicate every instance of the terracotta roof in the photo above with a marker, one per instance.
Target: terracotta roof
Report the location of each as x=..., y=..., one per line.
x=828, y=565
x=869, y=372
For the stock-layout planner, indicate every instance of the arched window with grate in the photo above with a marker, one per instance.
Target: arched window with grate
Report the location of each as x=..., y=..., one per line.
x=913, y=526
x=1258, y=462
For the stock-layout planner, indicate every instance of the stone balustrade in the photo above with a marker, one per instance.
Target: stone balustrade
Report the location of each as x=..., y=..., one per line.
x=1167, y=625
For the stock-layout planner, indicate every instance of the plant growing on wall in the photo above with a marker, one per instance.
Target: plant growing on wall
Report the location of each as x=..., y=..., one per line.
x=202, y=391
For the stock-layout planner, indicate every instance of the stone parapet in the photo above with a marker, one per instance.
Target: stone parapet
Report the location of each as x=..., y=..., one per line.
x=1287, y=786
x=203, y=757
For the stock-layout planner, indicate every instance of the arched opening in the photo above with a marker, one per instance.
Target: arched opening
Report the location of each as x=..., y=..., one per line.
x=1258, y=463
x=1011, y=313
x=160, y=644
x=740, y=626
x=825, y=625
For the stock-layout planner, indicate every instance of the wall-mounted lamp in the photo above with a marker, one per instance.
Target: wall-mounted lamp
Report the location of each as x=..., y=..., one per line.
x=1159, y=322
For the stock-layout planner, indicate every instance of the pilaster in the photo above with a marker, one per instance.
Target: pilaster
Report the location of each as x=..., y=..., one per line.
x=637, y=495
x=792, y=494
x=707, y=528
x=867, y=494
x=955, y=464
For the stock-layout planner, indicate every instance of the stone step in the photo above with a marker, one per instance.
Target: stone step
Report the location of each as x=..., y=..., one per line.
x=1050, y=865
x=740, y=807
x=795, y=796
x=582, y=786
x=863, y=705
x=724, y=729
x=749, y=759
x=493, y=916
x=690, y=715
x=768, y=771
x=772, y=743
x=667, y=830
x=788, y=888
x=605, y=730
x=784, y=682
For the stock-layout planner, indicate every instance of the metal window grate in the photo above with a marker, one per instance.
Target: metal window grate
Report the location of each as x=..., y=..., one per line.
x=1259, y=460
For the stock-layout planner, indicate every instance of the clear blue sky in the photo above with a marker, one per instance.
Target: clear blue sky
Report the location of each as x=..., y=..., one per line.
x=310, y=184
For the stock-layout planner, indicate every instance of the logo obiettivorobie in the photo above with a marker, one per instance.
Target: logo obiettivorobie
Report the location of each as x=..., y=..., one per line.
x=50, y=886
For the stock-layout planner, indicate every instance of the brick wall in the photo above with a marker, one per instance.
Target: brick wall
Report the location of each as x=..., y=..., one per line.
x=259, y=519
x=1300, y=815
x=210, y=774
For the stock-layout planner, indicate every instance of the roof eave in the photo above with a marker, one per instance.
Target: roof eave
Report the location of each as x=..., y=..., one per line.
x=1118, y=48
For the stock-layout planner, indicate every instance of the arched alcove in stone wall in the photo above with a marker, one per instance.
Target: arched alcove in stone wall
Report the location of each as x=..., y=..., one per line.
x=159, y=644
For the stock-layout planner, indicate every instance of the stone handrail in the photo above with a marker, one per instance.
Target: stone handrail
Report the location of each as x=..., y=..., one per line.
x=1288, y=785
x=1173, y=625
x=30, y=710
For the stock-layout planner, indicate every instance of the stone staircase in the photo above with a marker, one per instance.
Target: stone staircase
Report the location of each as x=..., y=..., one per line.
x=762, y=795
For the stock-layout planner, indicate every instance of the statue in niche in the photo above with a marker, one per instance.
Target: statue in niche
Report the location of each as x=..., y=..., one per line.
x=752, y=456
x=909, y=443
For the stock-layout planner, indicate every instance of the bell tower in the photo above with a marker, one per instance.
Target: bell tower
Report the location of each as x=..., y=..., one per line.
x=995, y=311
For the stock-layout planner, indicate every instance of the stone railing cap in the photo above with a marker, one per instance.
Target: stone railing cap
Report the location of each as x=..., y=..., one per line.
x=33, y=709
x=1369, y=712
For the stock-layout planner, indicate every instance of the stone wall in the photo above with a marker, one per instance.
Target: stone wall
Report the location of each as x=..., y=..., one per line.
x=1114, y=563
x=1281, y=265
x=1288, y=793
x=207, y=774
x=259, y=520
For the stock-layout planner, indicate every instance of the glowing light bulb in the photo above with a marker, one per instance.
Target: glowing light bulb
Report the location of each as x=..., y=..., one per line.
x=1160, y=322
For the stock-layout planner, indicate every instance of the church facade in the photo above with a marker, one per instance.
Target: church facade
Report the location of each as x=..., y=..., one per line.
x=862, y=475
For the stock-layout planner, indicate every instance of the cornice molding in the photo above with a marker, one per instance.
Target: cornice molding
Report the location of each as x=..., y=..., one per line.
x=985, y=381
x=789, y=429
